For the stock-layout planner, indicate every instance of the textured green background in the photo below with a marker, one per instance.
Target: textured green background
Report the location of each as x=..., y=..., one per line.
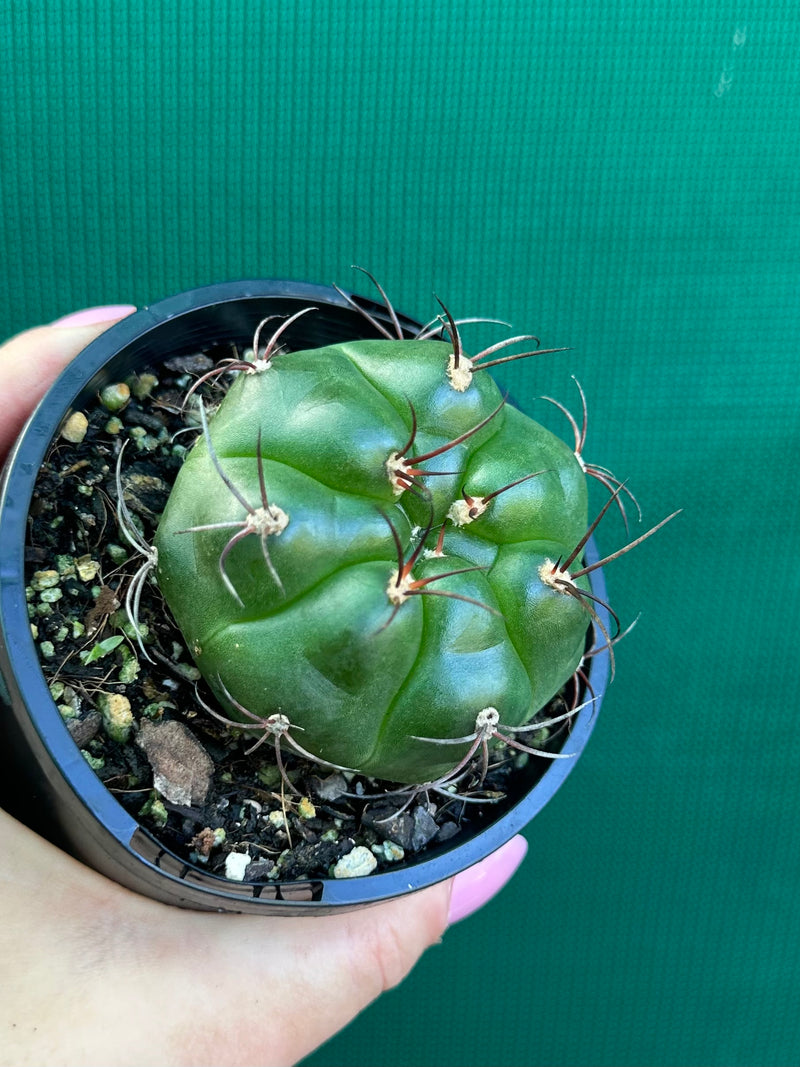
x=618, y=177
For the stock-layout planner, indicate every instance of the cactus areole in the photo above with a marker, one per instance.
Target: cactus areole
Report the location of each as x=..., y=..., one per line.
x=364, y=546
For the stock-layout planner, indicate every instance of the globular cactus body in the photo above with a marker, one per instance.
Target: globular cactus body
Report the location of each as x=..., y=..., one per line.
x=311, y=614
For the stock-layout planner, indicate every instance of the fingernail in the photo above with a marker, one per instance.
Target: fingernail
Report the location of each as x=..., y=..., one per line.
x=91, y=316
x=478, y=884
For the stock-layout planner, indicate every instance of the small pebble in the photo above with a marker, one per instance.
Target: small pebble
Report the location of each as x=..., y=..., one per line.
x=82, y=730
x=425, y=829
x=156, y=809
x=447, y=830
x=117, y=716
x=186, y=670
x=130, y=667
x=389, y=850
x=194, y=364
x=182, y=768
x=87, y=568
x=142, y=385
x=258, y=870
x=330, y=788
x=268, y=774
x=115, y=397
x=45, y=580
x=71, y=698
x=357, y=863
x=236, y=863
x=117, y=553
x=75, y=427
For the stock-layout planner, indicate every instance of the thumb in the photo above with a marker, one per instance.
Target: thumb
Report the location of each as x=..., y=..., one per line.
x=329, y=968
x=31, y=361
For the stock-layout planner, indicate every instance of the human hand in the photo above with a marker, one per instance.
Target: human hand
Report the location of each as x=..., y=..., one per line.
x=92, y=973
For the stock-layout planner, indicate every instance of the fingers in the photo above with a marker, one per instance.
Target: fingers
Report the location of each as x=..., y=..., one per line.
x=293, y=983
x=62, y=946
x=31, y=361
x=267, y=991
x=215, y=989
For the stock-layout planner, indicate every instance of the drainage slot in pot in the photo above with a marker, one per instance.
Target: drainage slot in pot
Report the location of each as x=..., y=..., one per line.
x=149, y=849
x=146, y=847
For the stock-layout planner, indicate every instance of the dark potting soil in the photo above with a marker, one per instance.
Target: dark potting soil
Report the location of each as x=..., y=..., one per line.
x=199, y=787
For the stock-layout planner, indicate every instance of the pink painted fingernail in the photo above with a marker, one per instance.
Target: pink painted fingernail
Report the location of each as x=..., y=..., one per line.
x=478, y=884
x=91, y=316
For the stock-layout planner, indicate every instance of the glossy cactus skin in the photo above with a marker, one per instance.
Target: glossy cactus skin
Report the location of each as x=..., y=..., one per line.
x=361, y=676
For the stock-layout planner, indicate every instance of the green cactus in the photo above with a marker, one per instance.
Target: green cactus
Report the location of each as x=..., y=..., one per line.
x=364, y=551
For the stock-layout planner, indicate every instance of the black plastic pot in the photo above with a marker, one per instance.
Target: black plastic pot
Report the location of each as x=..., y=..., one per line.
x=47, y=783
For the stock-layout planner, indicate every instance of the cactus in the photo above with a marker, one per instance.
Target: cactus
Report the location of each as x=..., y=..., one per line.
x=374, y=558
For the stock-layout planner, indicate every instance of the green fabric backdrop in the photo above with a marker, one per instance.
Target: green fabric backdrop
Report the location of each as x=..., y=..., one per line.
x=617, y=177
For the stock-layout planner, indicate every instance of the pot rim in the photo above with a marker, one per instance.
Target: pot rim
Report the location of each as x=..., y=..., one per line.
x=99, y=830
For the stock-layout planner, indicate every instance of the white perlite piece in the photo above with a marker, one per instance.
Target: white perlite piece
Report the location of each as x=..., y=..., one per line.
x=236, y=863
x=355, y=864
